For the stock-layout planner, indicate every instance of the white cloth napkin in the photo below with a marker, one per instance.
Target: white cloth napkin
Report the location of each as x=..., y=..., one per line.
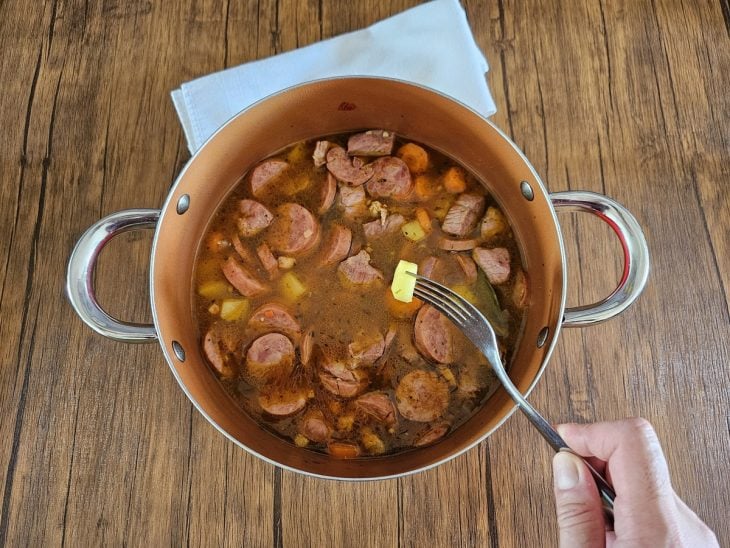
x=430, y=44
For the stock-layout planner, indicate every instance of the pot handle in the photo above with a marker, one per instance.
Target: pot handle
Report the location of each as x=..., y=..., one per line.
x=633, y=243
x=80, y=275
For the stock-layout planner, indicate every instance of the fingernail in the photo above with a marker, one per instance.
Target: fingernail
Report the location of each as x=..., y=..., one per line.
x=565, y=471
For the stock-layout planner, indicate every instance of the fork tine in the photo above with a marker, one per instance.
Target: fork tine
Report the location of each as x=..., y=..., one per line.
x=465, y=308
x=442, y=305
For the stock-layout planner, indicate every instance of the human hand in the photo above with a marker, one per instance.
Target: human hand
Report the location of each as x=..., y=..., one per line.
x=647, y=511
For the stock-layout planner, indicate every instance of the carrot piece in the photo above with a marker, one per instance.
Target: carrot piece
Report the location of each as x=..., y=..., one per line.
x=455, y=180
x=425, y=187
x=424, y=219
x=341, y=450
x=415, y=157
x=399, y=309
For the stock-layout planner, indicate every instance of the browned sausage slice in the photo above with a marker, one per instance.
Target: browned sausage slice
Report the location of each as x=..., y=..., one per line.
x=463, y=215
x=342, y=381
x=275, y=317
x=307, y=346
x=216, y=354
x=422, y=396
x=378, y=405
x=468, y=266
x=378, y=228
x=357, y=270
x=294, y=230
x=353, y=202
x=240, y=278
x=432, y=434
x=270, y=357
x=427, y=267
x=271, y=265
x=320, y=153
x=327, y=194
x=366, y=349
x=283, y=402
x=346, y=169
x=265, y=173
x=391, y=178
x=448, y=244
x=519, y=289
x=314, y=426
x=337, y=246
x=253, y=218
x=494, y=263
x=433, y=335
x=243, y=251
x=374, y=142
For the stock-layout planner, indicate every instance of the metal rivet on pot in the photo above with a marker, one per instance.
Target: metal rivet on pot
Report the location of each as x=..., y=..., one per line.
x=183, y=204
x=527, y=191
x=178, y=350
x=542, y=337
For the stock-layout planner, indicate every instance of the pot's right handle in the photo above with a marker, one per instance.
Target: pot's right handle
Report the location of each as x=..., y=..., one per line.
x=633, y=243
x=80, y=275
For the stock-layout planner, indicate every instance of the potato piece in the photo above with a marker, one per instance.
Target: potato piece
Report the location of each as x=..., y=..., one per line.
x=372, y=442
x=404, y=284
x=215, y=289
x=413, y=231
x=300, y=441
x=493, y=223
x=415, y=157
x=234, y=309
x=292, y=287
x=345, y=422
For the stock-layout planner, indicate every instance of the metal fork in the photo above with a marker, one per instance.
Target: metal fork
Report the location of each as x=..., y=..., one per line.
x=476, y=327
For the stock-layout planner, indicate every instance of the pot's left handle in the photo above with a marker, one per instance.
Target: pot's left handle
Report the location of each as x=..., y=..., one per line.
x=80, y=275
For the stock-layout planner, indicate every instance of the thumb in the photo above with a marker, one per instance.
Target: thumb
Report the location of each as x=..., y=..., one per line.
x=580, y=517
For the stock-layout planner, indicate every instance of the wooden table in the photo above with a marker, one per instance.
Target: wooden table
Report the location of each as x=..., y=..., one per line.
x=99, y=444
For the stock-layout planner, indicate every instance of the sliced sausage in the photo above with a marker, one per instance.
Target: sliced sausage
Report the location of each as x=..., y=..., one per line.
x=519, y=289
x=306, y=347
x=314, y=426
x=294, y=230
x=468, y=266
x=494, y=263
x=433, y=335
x=346, y=169
x=320, y=153
x=374, y=142
x=357, y=270
x=282, y=402
x=217, y=355
x=275, y=317
x=269, y=262
x=253, y=218
x=243, y=251
x=427, y=267
x=463, y=215
x=493, y=223
x=343, y=450
x=378, y=228
x=264, y=173
x=432, y=434
x=366, y=349
x=390, y=178
x=353, y=202
x=242, y=279
x=378, y=405
x=270, y=357
x=327, y=194
x=340, y=380
x=422, y=396
x=457, y=245
x=337, y=246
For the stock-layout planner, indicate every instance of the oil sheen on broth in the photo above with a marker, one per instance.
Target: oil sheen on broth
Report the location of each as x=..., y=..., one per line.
x=293, y=301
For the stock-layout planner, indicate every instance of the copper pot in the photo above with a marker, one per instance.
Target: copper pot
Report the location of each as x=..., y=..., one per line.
x=336, y=106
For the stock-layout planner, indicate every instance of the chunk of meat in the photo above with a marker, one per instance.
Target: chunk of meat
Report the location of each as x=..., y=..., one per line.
x=283, y=402
x=270, y=358
x=468, y=267
x=353, y=202
x=390, y=179
x=217, y=353
x=243, y=251
x=265, y=173
x=493, y=223
x=366, y=348
x=432, y=434
x=343, y=450
x=253, y=218
x=378, y=405
x=340, y=380
x=269, y=262
x=433, y=335
x=315, y=427
x=306, y=347
x=327, y=194
x=448, y=244
x=320, y=153
x=346, y=169
x=422, y=396
x=357, y=270
x=294, y=231
x=463, y=215
x=374, y=142
x=379, y=228
x=242, y=279
x=337, y=246
x=519, y=289
x=494, y=263
x=275, y=317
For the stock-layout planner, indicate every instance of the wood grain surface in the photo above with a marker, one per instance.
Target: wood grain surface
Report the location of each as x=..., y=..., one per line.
x=99, y=446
